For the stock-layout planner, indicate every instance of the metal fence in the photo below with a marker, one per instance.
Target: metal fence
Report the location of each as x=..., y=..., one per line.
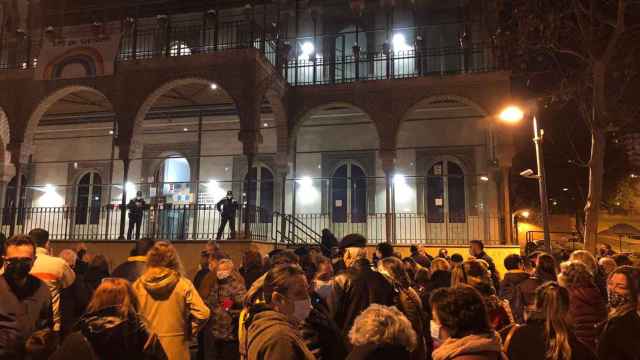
x=184, y=222
x=201, y=222
x=321, y=59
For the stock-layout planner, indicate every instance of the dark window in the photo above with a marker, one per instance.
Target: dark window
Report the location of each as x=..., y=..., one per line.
x=446, y=193
x=9, y=202
x=349, y=182
x=339, y=195
x=89, y=199
x=435, y=194
x=259, y=179
x=455, y=191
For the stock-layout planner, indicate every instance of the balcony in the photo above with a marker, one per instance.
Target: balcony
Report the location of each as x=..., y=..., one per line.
x=313, y=60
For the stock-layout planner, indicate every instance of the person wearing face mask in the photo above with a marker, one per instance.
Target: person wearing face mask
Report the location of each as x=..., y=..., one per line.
x=619, y=336
x=227, y=208
x=272, y=332
x=26, y=305
x=225, y=299
x=136, y=213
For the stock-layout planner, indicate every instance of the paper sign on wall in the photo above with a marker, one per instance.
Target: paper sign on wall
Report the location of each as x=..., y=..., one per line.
x=438, y=201
x=338, y=203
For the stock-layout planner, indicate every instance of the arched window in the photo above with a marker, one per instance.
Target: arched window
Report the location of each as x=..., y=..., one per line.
x=9, y=201
x=258, y=185
x=173, y=179
x=349, y=194
x=446, y=200
x=88, y=199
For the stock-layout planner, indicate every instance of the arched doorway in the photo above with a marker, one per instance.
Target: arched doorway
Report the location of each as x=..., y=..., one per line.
x=88, y=199
x=258, y=187
x=174, y=193
x=443, y=152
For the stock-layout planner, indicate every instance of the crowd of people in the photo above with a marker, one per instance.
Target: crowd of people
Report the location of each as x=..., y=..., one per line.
x=330, y=302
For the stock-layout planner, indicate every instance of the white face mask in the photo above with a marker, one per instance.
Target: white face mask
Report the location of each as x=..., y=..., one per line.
x=323, y=288
x=435, y=330
x=301, y=309
x=223, y=274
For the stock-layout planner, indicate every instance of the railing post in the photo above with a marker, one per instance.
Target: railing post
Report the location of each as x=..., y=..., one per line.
x=388, y=166
x=123, y=204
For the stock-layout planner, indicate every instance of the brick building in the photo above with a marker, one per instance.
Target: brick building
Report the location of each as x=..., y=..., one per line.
x=368, y=116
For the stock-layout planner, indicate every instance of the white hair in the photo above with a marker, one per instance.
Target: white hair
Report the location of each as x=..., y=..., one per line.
x=586, y=258
x=69, y=256
x=380, y=324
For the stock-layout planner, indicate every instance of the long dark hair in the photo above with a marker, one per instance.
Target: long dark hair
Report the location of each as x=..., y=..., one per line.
x=552, y=301
x=632, y=274
x=546, y=268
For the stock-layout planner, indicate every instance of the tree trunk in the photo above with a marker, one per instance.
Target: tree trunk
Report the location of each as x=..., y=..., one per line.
x=596, y=174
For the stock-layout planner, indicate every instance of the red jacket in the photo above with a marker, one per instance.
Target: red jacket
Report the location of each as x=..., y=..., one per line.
x=587, y=309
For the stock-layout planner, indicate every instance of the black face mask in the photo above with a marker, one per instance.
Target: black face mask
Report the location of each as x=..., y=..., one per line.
x=18, y=269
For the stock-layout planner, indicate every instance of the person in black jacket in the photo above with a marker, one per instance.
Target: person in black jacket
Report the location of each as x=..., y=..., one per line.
x=111, y=329
x=75, y=298
x=328, y=242
x=136, y=212
x=136, y=263
x=358, y=287
x=619, y=336
x=227, y=208
x=514, y=276
x=25, y=304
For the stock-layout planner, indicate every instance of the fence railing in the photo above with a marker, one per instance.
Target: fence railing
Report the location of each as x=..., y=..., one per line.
x=201, y=222
x=322, y=59
x=180, y=222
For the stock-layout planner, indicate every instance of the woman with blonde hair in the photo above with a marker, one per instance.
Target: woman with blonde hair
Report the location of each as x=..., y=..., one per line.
x=475, y=273
x=547, y=334
x=111, y=328
x=170, y=301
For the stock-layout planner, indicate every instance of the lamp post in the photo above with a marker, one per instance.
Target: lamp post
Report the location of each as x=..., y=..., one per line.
x=513, y=115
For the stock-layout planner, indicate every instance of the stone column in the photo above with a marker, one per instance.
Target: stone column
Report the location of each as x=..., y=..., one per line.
x=388, y=158
x=250, y=140
x=504, y=155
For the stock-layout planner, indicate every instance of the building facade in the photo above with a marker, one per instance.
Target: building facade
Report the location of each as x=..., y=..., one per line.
x=355, y=116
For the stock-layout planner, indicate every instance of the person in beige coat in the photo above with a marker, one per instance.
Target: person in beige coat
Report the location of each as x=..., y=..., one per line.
x=169, y=301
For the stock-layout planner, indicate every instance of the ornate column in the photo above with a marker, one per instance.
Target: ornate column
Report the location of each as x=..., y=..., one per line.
x=250, y=139
x=16, y=150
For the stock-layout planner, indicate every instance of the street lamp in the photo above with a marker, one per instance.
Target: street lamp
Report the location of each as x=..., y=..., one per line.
x=513, y=115
x=514, y=220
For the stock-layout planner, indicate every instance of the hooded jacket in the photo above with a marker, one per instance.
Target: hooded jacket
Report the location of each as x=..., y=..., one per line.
x=472, y=347
x=508, y=285
x=106, y=334
x=173, y=307
x=270, y=335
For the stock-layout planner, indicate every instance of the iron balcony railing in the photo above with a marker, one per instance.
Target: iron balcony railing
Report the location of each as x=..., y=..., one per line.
x=322, y=59
x=201, y=222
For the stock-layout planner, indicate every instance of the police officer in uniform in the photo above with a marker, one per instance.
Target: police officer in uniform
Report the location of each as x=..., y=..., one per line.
x=227, y=208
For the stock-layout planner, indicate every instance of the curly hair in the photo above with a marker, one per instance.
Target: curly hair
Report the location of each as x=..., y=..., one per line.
x=380, y=324
x=163, y=254
x=474, y=273
x=461, y=311
x=586, y=258
x=575, y=274
x=440, y=264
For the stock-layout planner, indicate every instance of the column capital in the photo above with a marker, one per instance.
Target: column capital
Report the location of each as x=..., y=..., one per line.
x=17, y=151
x=250, y=140
x=388, y=158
